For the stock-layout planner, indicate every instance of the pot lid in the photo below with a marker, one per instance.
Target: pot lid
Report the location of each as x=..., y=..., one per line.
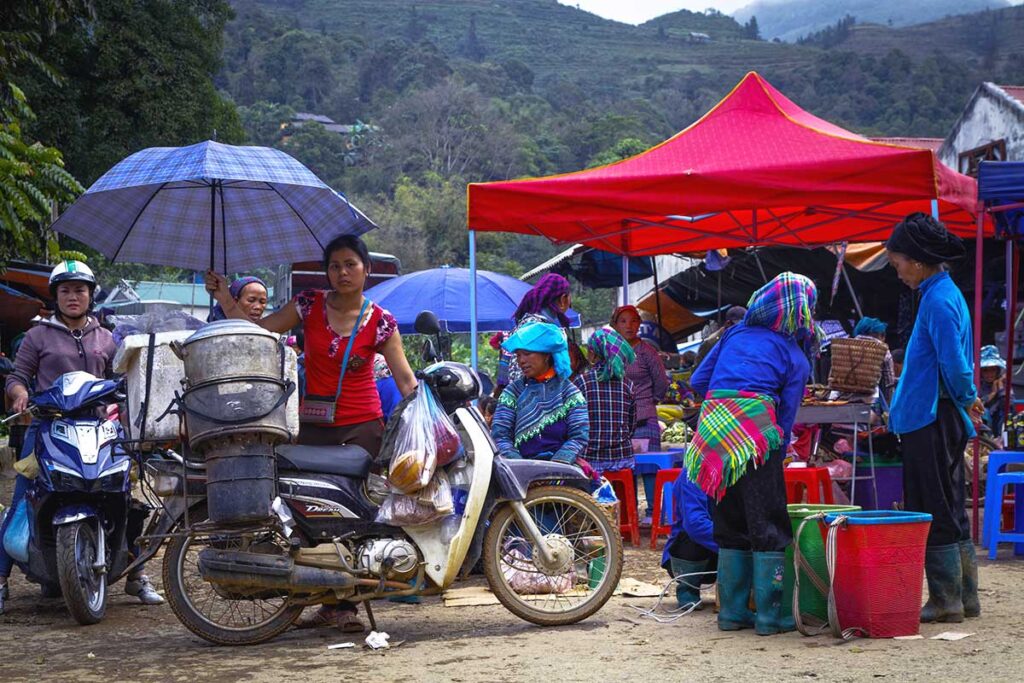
x=229, y=327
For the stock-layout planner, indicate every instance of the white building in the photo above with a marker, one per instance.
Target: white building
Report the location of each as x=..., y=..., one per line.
x=991, y=128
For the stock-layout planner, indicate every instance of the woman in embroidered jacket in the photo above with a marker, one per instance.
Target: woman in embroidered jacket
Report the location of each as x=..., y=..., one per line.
x=753, y=381
x=542, y=414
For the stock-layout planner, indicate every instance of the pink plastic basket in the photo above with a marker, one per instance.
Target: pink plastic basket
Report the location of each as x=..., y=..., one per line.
x=879, y=571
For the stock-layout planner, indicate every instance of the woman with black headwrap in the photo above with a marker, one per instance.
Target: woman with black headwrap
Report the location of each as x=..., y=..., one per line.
x=934, y=410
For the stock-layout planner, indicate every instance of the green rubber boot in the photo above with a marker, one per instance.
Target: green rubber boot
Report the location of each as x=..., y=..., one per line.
x=945, y=584
x=735, y=576
x=768, y=572
x=688, y=588
x=969, y=567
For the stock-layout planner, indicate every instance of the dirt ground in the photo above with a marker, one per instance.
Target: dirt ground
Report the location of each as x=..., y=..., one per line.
x=136, y=643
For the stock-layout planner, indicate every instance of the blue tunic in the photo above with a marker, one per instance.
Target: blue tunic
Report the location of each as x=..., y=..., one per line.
x=940, y=347
x=760, y=360
x=691, y=509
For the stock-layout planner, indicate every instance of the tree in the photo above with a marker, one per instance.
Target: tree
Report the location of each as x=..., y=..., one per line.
x=751, y=30
x=470, y=47
x=138, y=75
x=33, y=180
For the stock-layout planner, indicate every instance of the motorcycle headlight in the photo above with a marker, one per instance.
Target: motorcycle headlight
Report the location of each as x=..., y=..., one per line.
x=112, y=482
x=64, y=481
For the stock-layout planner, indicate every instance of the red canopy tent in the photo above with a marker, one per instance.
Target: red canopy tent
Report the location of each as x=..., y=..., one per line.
x=755, y=170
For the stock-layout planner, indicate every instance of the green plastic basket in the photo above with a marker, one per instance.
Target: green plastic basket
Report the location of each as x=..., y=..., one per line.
x=812, y=547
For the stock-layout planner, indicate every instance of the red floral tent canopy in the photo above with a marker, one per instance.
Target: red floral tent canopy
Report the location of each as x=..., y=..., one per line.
x=755, y=170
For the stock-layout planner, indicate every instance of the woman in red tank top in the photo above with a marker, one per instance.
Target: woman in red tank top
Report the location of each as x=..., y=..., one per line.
x=328, y=319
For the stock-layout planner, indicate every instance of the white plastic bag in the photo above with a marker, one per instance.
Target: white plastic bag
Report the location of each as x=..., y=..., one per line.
x=429, y=504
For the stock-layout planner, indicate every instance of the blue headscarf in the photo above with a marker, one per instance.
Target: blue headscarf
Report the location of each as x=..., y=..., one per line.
x=869, y=326
x=541, y=337
x=236, y=291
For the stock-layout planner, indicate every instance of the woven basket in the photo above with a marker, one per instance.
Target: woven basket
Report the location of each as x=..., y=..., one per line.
x=856, y=364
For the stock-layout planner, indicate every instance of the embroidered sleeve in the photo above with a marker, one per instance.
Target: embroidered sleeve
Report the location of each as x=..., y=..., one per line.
x=304, y=302
x=578, y=423
x=386, y=326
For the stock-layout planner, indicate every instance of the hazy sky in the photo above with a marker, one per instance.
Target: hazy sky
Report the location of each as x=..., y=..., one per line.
x=639, y=11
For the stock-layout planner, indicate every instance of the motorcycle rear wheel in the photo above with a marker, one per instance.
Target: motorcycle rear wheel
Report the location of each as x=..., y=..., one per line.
x=573, y=521
x=206, y=610
x=84, y=589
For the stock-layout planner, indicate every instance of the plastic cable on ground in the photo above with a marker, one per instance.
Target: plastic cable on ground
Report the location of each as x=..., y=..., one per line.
x=668, y=616
x=801, y=565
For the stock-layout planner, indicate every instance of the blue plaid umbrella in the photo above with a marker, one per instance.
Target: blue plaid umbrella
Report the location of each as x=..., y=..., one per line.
x=210, y=205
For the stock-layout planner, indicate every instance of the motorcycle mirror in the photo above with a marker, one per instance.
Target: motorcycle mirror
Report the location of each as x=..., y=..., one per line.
x=427, y=323
x=429, y=353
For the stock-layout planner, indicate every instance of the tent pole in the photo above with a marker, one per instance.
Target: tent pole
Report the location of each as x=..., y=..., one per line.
x=625, y=280
x=473, y=351
x=979, y=254
x=853, y=292
x=213, y=235
x=657, y=293
x=1012, y=263
x=719, y=297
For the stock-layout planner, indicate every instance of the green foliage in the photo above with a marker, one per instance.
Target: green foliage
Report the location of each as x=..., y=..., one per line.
x=140, y=74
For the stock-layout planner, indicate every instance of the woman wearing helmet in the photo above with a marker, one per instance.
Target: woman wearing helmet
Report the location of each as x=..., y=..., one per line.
x=70, y=340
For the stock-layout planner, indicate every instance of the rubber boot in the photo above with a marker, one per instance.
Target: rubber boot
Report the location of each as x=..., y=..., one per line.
x=688, y=588
x=4, y=595
x=768, y=573
x=969, y=567
x=735, y=577
x=945, y=584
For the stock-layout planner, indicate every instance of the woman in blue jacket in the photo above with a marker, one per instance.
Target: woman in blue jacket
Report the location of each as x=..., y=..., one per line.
x=933, y=410
x=691, y=554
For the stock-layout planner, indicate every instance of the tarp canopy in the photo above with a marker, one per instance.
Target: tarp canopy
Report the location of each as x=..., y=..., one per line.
x=1001, y=187
x=755, y=170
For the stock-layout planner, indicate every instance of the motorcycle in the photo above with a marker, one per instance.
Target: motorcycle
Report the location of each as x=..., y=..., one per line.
x=81, y=518
x=550, y=553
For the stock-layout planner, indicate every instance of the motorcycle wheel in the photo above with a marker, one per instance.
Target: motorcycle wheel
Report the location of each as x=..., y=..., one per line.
x=84, y=589
x=584, y=579
x=210, y=612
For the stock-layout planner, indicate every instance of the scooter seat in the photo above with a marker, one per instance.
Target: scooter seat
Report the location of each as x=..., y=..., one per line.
x=347, y=461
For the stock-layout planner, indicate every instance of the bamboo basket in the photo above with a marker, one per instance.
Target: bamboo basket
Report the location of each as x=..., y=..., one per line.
x=856, y=364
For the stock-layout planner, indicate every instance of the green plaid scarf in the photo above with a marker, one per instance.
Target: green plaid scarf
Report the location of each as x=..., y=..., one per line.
x=734, y=429
x=613, y=352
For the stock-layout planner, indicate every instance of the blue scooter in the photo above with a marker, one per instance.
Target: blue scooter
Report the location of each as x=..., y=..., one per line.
x=80, y=517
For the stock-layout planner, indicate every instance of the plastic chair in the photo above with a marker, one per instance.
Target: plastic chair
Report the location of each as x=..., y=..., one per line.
x=653, y=462
x=995, y=487
x=814, y=480
x=663, y=483
x=625, y=490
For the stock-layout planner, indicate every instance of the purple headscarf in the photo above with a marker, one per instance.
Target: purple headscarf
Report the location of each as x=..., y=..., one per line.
x=236, y=291
x=543, y=296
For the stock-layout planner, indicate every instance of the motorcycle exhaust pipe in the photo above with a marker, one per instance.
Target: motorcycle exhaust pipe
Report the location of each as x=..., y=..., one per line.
x=242, y=570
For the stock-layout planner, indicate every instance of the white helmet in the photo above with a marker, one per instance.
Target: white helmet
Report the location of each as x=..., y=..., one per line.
x=71, y=271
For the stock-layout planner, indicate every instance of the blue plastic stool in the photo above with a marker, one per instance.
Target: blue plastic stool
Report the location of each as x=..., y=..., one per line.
x=647, y=466
x=995, y=486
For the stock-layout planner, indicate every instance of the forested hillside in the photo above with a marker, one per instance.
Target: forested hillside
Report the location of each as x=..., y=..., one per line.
x=448, y=92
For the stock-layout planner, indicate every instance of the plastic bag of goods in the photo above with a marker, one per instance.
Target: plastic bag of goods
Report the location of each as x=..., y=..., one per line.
x=524, y=578
x=426, y=438
x=429, y=504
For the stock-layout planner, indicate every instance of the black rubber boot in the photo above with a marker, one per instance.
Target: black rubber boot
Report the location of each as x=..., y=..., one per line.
x=969, y=567
x=4, y=594
x=945, y=584
x=688, y=588
x=768, y=573
x=735, y=577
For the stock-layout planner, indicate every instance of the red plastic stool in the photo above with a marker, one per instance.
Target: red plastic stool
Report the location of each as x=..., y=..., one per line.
x=663, y=479
x=625, y=491
x=814, y=480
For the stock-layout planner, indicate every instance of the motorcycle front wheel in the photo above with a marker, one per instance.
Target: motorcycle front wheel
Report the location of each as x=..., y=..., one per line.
x=585, y=551
x=212, y=613
x=84, y=588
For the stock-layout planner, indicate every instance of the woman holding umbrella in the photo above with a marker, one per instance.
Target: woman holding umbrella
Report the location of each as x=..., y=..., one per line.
x=933, y=410
x=329, y=320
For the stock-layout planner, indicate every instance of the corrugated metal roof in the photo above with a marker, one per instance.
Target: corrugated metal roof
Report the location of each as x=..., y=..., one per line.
x=924, y=143
x=1014, y=91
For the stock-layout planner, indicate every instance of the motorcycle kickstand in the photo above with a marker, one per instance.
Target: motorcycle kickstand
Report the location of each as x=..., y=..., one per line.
x=369, y=615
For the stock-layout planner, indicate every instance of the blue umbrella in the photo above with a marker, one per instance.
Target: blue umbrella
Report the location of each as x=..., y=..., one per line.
x=210, y=205
x=445, y=291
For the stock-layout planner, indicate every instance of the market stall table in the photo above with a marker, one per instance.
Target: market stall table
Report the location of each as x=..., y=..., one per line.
x=855, y=414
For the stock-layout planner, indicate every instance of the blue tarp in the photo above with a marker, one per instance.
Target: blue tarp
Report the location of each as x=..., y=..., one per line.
x=602, y=269
x=445, y=291
x=1001, y=183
